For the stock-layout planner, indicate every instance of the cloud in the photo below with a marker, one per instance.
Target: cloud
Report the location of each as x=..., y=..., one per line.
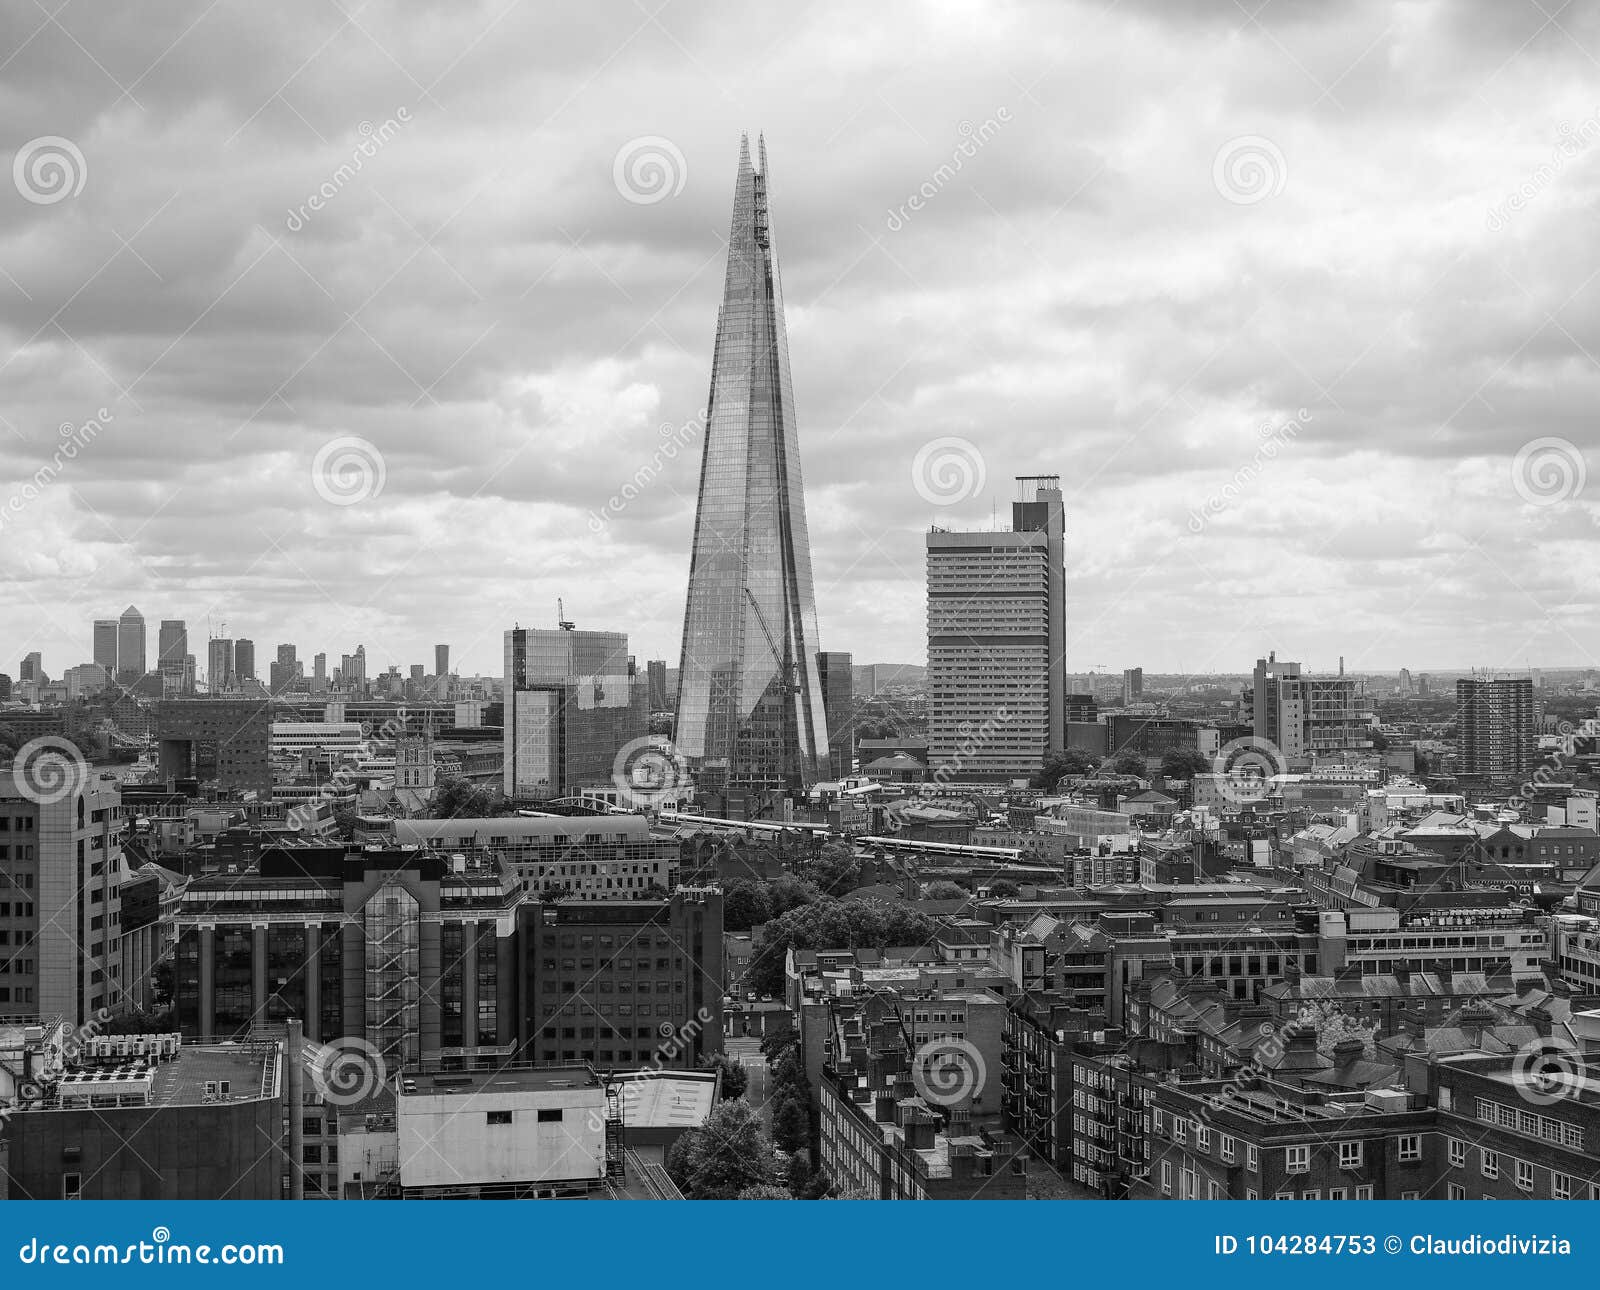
x=477, y=299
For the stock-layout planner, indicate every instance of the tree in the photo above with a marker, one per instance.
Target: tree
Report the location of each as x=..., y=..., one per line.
x=728, y=1153
x=460, y=799
x=836, y=869
x=735, y=1079
x=161, y=982
x=778, y=1042
x=745, y=904
x=766, y=1191
x=791, y=1124
x=1183, y=763
x=832, y=924
x=1062, y=765
x=944, y=890
x=1004, y=887
x=1128, y=762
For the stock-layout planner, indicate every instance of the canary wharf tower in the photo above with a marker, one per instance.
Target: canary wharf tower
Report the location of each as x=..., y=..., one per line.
x=750, y=712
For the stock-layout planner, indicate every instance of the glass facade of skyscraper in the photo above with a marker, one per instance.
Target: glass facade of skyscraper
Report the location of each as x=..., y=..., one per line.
x=750, y=706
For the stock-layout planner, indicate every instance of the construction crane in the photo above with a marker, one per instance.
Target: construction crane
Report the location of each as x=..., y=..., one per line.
x=562, y=621
x=785, y=664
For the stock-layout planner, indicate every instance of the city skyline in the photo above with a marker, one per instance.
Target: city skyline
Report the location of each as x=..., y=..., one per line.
x=1194, y=289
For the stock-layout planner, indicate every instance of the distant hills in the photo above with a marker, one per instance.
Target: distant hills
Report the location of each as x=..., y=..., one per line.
x=869, y=678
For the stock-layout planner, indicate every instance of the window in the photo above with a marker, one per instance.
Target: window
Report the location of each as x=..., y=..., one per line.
x=1180, y=1130
x=71, y=1186
x=1560, y=1187
x=1524, y=1175
x=1297, y=1160
x=549, y=1114
x=1227, y=1145
x=1311, y=1193
x=1202, y=1137
x=1252, y=1159
x=1283, y=1195
x=1455, y=1191
x=1350, y=1155
x=1489, y=1163
x=1410, y=1195
x=1364, y=1192
x=1338, y=1193
x=1458, y=1153
x=497, y=1117
x=1166, y=1177
x=1410, y=1146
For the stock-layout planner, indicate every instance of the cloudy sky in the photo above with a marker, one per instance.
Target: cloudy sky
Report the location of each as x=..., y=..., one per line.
x=383, y=304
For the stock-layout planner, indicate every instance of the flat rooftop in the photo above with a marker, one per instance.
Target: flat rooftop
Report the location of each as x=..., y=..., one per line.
x=519, y=1078
x=667, y=1101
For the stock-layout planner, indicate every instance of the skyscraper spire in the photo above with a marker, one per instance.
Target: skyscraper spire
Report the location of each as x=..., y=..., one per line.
x=750, y=711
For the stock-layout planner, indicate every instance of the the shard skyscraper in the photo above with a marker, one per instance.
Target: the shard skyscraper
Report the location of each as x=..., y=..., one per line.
x=750, y=710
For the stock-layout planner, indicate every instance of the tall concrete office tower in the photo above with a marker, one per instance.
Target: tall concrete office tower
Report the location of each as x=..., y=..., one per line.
x=105, y=644
x=219, y=664
x=244, y=659
x=750, y=705
x=997, y=632
x=130, y=643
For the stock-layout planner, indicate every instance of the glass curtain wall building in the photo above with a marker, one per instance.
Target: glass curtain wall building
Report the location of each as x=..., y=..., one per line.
x=750, y=711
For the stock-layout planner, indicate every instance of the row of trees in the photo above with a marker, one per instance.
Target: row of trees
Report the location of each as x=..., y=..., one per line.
x=826, y=923
x=1074, y=763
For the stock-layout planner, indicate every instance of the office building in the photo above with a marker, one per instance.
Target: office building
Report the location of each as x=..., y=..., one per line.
x=59, y=903
x=612, y=982
x=353, y=673
x=105, y=644
x=750, y=707
x=572, y=702
x=996, y=635
x=441, y=671
x=586, y=857
x=407, y=950
x=219, y=664
x=244, y=659
x=130, y=644
x=31, y=669
x=113, y=1116
x=836, y=672
x=85, y=680
x=1495, y=728
x=284, y=672
x=1304, y=715
x=656, y=674
x=1132, y=685
x=172, y=656
x=220, y=740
